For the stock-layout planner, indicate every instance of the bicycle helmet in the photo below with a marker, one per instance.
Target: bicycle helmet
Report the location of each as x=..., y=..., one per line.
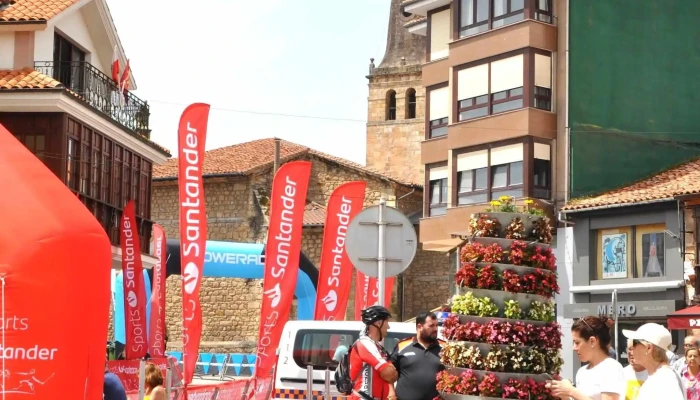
x=373, y=314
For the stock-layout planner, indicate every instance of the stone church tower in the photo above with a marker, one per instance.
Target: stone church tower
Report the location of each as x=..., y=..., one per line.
x=396, y=122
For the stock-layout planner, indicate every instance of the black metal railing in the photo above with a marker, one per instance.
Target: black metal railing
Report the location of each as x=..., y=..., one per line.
x=100, y=92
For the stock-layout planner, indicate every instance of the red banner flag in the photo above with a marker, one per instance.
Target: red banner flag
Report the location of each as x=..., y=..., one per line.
x=134, y=292
x=192, y=134
x=335, y=274
x=281, y=258
x=156, y=331
x=367, y=292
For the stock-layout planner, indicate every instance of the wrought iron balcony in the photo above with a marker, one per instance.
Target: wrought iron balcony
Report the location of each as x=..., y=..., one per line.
x=100, y=92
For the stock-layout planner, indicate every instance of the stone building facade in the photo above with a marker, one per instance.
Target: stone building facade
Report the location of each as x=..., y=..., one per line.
x=396, y=103
x=236, y=194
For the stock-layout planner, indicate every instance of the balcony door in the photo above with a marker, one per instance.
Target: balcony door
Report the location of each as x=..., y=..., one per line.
x=68, y=64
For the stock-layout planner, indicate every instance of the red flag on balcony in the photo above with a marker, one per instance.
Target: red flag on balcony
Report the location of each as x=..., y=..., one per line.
x=115, y=66
x=124, y=82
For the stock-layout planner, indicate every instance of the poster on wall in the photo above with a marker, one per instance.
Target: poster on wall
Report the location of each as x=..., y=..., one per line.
x=653, y=254
x=614, y=255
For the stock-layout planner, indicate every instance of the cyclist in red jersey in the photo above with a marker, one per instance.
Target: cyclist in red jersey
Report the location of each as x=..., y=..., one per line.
x=371, y=370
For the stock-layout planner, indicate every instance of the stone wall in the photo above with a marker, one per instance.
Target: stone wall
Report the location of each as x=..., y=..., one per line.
x=393, y=147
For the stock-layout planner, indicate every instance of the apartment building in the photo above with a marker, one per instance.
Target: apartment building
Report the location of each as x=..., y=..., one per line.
x=494, y=91
x=59, y=98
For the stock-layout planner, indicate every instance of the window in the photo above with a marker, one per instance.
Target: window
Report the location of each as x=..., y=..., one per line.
x=126, y=177
x=541, y=179
x=508, y=82
x=473, y=17
x=631, y=252
x=438, y=191
x=390, y=105
x=85, y=157
x=439, y=27
x=106, y=168
x=543, y=11
x=96, y=166
x=72, y=173
x=506, y=12
x=472, y=175
x=410, y=103
x=438, y=112
x=68, y=62
x=487, y=174
x=507, y=171
x=318, y=347
x=117, y=177
x=477, y=16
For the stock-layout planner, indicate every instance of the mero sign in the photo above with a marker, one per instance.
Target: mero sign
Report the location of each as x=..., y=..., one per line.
x=626, y=310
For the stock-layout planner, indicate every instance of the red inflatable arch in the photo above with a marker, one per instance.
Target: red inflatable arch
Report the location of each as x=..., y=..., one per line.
x=55, y=261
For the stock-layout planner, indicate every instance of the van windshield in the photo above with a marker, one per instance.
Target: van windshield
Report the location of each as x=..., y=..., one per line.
x=324, y=348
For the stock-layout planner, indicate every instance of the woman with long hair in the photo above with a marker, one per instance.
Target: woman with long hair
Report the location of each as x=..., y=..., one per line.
x=154, y=383
x=650, y=344
x=691, y=373
x=602, y=378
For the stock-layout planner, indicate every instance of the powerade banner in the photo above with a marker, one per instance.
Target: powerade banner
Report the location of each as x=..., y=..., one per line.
x=224, y=260
x=367, y=292
x=335, y=275
x=55, y=261
x=192, y=134
x=156, y=324
x=135, y=296
x=281, y=258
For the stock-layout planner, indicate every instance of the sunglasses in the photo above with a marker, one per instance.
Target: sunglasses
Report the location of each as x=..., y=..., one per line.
x=636, y=342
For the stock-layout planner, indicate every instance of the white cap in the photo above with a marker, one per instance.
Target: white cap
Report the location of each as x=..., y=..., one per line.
x=653, y=333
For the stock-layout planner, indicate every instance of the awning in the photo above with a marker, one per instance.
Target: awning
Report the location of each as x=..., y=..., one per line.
x=687, y=318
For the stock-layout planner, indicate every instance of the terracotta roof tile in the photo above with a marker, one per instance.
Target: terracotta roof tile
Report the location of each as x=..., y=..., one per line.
x=246, y=158
x=34, y=10
x=314, y=214
x=415, y=21
x=26, y=78
x=681, y=180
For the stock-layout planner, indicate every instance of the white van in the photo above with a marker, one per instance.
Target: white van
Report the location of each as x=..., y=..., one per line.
x=315, y=342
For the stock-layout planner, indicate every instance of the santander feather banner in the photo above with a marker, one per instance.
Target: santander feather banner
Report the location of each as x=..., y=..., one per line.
x=335, y=273
x=281, y=258
x=134, y=292
x=55, y=267
x=192, y=134
x=156, y=331
x=367, y=292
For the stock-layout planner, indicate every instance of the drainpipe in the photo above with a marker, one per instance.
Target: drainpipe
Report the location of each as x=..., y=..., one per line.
x=402, y=309
x=567, y=135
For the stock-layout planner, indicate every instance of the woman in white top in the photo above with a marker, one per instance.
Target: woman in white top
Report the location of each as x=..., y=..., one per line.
x=602, y=378
x=649, y=346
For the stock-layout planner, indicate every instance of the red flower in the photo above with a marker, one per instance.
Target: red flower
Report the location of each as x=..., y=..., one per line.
x=466, y=276
x=511, y=281
x=488, y=278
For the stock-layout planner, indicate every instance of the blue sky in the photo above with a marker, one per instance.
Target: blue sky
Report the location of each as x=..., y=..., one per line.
x=303, y=57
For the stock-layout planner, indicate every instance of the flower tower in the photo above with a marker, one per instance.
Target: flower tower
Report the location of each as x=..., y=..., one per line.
x=502, y=338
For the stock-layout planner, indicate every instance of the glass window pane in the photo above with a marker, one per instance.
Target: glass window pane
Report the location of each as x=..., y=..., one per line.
x=40, y=143
x=541, y=173
x=499, y=7
x=436, y=211
x=437, y=132
x=467, y=12
x=434, y=192
x=499, y=96
x=443, y=190
x=472, y=199
x=517, y=193
x=482, y=99
x=499, y=176
x=480, y=179
x=29, y=142
x=513, y=19
x=508, y=105
x=482, y=10
x=516, y=92
x=516, y=173
x=465, y=182
x=516, y=5
x=543, y=5
x=474, y=113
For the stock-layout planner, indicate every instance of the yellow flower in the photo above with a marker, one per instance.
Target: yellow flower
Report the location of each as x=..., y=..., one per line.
x=495, y=203
x=528, y=201
x=504, y=198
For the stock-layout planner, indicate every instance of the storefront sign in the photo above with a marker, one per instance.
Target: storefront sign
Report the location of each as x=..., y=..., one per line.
x=630, y=309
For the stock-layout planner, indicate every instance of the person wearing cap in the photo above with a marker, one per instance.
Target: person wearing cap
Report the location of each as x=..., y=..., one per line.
x=650, y=343
x=635, y=374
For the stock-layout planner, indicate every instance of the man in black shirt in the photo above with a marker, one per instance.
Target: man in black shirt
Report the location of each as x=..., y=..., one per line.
x=417, y=360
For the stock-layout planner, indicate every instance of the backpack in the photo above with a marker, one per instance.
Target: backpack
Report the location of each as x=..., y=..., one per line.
x=343, y=382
